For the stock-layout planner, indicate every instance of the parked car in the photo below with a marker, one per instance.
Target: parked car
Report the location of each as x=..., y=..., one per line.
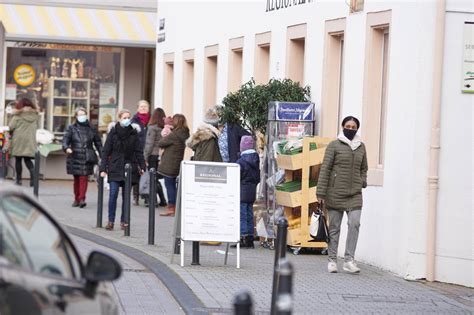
x=41, y=271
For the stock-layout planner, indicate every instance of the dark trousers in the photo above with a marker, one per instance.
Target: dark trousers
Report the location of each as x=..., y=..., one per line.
x=19, y=167
x=80, y=187
x=113, y=195
x=246, y=219
x=170, y=184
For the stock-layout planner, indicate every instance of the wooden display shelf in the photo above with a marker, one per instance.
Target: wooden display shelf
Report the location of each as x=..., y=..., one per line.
x=308, y=162
x=293, y=199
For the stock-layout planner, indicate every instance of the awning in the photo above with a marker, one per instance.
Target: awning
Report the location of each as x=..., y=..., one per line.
x=78, y=25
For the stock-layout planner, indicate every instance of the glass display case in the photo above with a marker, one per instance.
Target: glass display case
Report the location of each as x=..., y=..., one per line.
x=286, y=120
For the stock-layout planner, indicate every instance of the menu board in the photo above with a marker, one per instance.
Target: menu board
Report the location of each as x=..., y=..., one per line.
x=210, y=209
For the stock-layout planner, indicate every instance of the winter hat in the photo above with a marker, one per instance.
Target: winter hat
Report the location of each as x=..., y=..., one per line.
x=246, y=143
x=212, y=116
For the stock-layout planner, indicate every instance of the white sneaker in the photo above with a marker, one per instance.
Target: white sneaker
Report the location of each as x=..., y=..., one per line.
x=332, y=267
x=351, y=267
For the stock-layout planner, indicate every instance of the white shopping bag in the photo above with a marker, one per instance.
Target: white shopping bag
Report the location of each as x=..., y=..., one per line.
x=261, y=228
x=314, y=225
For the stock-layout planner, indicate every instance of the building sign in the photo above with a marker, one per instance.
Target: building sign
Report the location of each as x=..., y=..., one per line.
x=468, y=58
x=294, y=111
x=274, y=5
x=24, y=75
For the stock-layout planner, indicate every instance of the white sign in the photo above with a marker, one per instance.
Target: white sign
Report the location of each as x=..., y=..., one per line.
x=10, y=92
x=210, y=208
x=468, y=58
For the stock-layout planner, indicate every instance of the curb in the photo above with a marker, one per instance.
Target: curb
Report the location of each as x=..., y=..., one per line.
x=185, y=297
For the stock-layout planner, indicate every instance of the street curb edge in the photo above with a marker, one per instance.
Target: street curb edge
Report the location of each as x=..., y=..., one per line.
x=185, y=297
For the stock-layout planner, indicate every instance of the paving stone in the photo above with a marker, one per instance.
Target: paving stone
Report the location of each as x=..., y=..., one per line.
x=374, y=291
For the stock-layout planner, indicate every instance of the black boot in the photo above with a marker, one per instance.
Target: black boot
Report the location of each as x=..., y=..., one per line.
x=145, y=200
x=159, y=190
x=249, y=242
x=242, y=243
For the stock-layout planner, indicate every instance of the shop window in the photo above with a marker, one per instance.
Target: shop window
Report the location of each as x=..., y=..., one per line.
x=375, y=92
x=235, y=63
x=188, y=87
x=210, y=75
x=333, y=78
x=60, y=78
x=168, y=83
x=296, y=36
x=262, y=58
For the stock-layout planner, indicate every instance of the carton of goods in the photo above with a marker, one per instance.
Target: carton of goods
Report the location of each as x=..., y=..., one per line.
x=290, y=155
x=289, y=194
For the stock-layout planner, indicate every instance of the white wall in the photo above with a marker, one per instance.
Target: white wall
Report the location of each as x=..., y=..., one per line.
x=393, y=231
x=455, y=246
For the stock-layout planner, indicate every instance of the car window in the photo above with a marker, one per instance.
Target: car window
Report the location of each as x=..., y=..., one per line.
x=11, y=251
x=41, y=238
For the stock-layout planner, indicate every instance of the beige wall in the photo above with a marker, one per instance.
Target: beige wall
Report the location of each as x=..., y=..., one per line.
x=133, y=78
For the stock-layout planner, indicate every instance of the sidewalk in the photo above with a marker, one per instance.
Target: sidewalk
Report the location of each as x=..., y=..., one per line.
x=315, y=291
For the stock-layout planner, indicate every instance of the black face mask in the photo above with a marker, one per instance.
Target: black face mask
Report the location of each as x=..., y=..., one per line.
x=349, y=133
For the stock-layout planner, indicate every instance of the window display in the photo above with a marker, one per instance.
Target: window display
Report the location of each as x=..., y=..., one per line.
x=61, y=77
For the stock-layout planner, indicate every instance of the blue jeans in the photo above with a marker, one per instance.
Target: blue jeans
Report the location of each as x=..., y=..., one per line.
x=170, y=184
x=246, y=219
x=113, y=195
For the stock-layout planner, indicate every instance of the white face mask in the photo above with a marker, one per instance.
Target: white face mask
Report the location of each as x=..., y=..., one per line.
x=125, y=122
x=82, y=118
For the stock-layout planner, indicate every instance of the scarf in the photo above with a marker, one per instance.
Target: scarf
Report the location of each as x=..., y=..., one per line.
x=144, y=118
x=354, y=144
x=126, y=140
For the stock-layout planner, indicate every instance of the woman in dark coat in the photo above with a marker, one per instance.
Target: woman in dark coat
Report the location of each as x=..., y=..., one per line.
x=170, y=163
x=78, y=143
x=341, y=179
x=121, y=147
x=152, y=149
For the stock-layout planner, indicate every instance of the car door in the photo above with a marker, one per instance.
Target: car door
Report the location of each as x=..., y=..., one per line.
x=54, y=275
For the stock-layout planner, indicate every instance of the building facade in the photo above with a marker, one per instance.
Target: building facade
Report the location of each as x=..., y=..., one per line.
x=400, y=66
x=70, y=54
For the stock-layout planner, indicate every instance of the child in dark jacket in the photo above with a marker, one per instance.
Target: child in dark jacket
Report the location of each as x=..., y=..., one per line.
x=249, y=178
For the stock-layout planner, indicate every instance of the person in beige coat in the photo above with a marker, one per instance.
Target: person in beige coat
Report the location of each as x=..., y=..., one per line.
x=23, y=128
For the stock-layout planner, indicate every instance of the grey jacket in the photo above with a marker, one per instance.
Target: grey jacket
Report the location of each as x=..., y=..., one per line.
x=153, y=137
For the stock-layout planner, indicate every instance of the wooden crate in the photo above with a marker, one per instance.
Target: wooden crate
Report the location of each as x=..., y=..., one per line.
x=295, y=162
x=293, y=199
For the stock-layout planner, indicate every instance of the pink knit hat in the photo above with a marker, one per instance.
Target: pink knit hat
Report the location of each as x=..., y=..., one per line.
x=246, y=143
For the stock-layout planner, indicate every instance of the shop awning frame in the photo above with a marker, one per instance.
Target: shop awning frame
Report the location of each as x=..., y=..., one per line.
x=78, y=25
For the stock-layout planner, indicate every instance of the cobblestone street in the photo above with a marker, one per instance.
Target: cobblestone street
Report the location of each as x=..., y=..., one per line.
x=374, y=291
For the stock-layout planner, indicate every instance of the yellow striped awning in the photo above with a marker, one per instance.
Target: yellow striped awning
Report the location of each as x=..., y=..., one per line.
x=78, y=25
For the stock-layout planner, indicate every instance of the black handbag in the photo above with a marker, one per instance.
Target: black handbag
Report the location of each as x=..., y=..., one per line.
x=91, y=156
x=323, y=231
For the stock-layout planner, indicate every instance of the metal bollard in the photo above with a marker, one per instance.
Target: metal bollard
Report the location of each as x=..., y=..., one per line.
x=100, y=200
x=3, y=167
x=195, y=261
x=284, y=299
x=36, y=174
x=151, y=207
x=243, y=303
x=280, y=252
x=127, y=198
